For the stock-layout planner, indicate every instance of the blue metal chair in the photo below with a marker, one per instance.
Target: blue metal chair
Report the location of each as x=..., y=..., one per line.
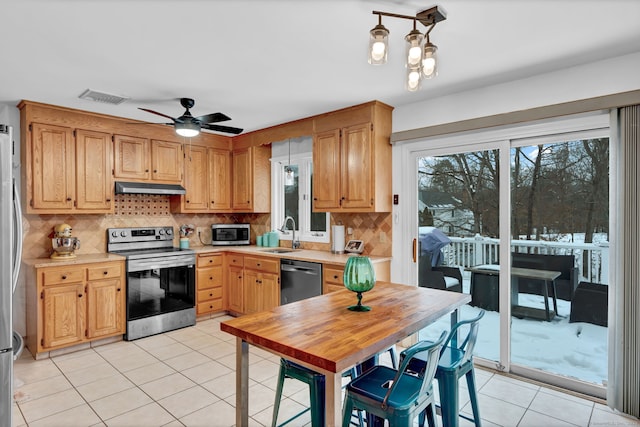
x=396, y=395
x=315, y=381
x=454, y=363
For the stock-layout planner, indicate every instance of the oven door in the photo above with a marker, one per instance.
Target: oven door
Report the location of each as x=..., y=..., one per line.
x=159, y=286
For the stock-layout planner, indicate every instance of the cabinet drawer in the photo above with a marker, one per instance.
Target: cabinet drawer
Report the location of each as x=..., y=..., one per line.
x=333, y=275
x=107, y=271
x=334, y=288
x=209, y=306
x=237, y=260
x=266, y=265
x=209, y=277
x=209, y=294
x=209, y=260
x=56, y=276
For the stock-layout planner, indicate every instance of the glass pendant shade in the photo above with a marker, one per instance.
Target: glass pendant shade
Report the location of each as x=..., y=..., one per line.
x=359, y=276
x=378, y=45
x=288, y=176
x=429, y=61
x=187, y=129
x=413, y=49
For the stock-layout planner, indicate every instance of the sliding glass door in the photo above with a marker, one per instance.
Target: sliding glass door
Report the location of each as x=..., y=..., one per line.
x=520, y=217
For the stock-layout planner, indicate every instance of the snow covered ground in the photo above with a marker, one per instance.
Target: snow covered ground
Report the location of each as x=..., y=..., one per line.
x=577, y=350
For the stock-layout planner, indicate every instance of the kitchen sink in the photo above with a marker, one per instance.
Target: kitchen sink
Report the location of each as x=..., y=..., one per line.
x=278, y=251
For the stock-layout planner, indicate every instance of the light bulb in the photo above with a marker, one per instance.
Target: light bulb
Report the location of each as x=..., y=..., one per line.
x=414, y=51
x=414, y=55
x=429, y=61
x=377, y=51
x=413, y=80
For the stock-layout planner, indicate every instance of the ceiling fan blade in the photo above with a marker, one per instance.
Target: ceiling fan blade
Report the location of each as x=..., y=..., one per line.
x=155, y=112
x=213, y=118
x=218, y=128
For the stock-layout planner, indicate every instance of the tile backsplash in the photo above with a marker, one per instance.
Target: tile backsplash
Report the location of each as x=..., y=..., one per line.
x=375, y=229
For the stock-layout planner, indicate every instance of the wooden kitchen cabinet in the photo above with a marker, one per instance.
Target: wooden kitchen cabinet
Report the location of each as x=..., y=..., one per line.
x=236, y=289
x=209, y=280
x=251, y=182
x=139, y=159
x=261, y=283
x=352, y=160
x=68, y=170
x=207, y=181
x=74, y=304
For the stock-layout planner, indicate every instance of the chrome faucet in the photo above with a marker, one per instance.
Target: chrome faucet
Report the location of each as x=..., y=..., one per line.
x=295, y=244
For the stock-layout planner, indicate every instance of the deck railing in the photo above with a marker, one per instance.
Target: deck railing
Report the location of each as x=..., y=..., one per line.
x=592, y=259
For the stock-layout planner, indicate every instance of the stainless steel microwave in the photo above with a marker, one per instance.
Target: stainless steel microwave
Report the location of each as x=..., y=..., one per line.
x=230, y=234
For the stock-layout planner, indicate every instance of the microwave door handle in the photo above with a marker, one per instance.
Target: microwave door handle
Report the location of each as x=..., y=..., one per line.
x=17, y=256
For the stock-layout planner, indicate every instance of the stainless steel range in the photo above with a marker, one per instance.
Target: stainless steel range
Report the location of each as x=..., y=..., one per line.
x=160, y=280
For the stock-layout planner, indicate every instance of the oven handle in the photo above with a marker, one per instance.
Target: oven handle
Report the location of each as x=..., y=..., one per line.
x=142, y=265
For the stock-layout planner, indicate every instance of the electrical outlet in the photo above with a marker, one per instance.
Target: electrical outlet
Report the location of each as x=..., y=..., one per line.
x=200, y=230
x=383, y=237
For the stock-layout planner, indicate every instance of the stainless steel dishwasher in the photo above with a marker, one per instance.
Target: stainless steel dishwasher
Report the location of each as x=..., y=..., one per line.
x=299, y=280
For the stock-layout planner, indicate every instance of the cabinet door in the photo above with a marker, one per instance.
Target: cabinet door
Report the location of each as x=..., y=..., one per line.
x=94, y=181
x=166, y=161
x=236, y=289
x=132, y=158
x=326, y=170
x=63, y=311
x=195, y=179
x=357, y=168
x=252, y=294
x=242, y=180
x=270, y=284
x=219, y=180
x=105, y=308
x=52, y=168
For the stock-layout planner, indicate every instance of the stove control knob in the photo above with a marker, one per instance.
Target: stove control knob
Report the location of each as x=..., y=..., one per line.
x=169, y=232
x=123, y=233
x=114, y=234
x=161, y=232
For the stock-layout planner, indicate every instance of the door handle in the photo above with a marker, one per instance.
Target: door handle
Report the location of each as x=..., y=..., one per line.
x=415, y=241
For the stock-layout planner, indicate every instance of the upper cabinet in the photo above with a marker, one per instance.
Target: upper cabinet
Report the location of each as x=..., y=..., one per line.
x=143, y=160
x=352, y=160
x=251, y=182
x=67, y=170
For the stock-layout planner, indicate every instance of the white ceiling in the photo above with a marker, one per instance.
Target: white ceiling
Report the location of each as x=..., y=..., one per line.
x=267, y=62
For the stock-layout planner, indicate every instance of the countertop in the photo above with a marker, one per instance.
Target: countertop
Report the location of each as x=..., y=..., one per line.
x=310, y=255
x=79, y=259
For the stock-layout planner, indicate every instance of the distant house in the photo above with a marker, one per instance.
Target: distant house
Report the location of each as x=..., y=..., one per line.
x=445, y=212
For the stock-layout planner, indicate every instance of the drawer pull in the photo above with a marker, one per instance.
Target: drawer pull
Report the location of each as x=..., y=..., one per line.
x=64, y=277
x=79, y=295
x=210, y=278
x=210, y=295
x=119, y=289
x=210, y=261
x=105, y=272
x=335, y=277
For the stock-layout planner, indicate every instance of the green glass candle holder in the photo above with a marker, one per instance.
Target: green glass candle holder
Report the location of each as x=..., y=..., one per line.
x=359, y=276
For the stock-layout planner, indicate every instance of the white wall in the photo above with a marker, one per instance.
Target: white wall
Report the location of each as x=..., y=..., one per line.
x=591, y=80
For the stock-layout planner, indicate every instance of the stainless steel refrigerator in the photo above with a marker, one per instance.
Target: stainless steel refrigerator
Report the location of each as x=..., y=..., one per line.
x=10, y=252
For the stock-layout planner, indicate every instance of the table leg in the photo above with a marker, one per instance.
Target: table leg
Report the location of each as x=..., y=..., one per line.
x=555, y=298
x=545, y=292
x=242, y=383
x=333, y=399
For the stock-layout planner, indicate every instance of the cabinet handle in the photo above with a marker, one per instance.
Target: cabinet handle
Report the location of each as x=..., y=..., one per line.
x=210, y=261
x=68, y=199
x=64, y=277
x=79, y=295
x=239, y=277
x=335, y=277
x=258, y=264
x=146, y=170
x=212, y=202
x=210, y=295
x=155, y=171
x=119, y=289
x=188, y=201
x=108, y=200
x=315, y=198
x=105, y=272
x=210, y=277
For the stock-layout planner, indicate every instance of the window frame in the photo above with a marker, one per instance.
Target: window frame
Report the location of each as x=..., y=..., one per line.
x=304, y=161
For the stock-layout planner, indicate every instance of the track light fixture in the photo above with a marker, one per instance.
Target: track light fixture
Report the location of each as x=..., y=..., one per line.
x=420, y=59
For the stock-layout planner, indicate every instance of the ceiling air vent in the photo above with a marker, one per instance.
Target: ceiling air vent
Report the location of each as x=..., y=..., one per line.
x=107, y=98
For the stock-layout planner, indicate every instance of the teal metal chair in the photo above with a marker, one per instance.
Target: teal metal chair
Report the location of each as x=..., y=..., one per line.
x=396, y=395
x=315, y=381
x=454, y=363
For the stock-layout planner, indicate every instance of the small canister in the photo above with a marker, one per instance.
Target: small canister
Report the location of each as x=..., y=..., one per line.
x=259, y=240
x=274, y=239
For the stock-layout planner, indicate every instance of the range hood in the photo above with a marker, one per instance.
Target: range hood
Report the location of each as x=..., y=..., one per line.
x=148, y=188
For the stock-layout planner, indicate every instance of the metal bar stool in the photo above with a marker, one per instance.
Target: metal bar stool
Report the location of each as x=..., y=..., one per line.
x=454, y=363
x=315, y=381
x=396, y=395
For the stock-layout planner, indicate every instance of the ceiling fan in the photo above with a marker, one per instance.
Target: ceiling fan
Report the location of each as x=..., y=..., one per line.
x=187, y=125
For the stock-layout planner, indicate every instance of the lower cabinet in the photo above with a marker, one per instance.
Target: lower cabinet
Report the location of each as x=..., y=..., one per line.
x=73, y=304
x=209, y=279
x=235, y=283
x=261, y=282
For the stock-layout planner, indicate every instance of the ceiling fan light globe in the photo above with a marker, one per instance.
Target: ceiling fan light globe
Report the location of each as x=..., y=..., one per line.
x=187, y=129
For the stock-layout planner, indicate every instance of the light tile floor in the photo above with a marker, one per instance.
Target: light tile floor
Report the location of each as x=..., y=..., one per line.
x=187, y=378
